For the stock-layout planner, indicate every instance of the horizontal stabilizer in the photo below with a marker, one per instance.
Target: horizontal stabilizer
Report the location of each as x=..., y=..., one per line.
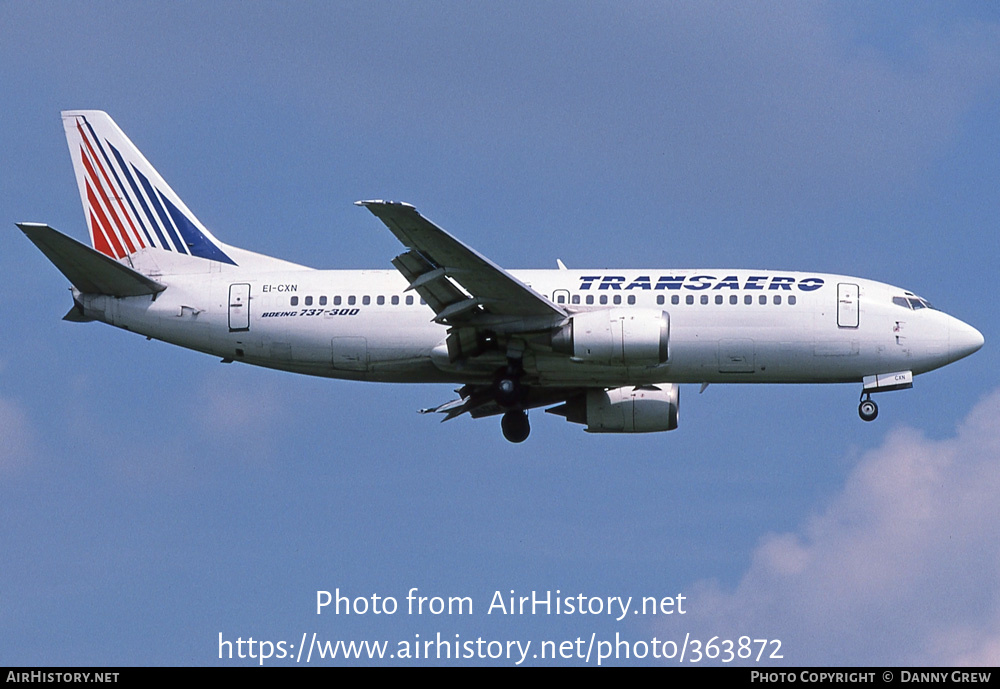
x=90, y=271
x=75, y=315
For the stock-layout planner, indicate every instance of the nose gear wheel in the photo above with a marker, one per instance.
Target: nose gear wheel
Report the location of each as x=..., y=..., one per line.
x=867, y=410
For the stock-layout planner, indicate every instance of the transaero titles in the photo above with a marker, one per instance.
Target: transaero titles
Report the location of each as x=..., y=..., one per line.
x=699, y=282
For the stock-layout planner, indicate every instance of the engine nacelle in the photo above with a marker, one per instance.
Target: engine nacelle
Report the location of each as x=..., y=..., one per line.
x=643, y=409
x=617, y=337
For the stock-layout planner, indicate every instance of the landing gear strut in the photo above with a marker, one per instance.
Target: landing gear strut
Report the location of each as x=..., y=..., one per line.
x=515, y=425
x=507, y=386
x=867, y=410
x=510, y=393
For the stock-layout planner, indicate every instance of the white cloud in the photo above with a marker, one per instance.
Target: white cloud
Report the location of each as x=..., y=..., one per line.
x=16, y=437
x=240, y=413
x=902, y=567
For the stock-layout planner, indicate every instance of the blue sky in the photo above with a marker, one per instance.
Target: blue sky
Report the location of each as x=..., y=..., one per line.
x=151, y=498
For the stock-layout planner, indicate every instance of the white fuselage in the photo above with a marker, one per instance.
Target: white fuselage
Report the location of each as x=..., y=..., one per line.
x=725, y=326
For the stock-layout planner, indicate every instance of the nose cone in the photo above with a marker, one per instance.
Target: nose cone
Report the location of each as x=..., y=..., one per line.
x=963, y=340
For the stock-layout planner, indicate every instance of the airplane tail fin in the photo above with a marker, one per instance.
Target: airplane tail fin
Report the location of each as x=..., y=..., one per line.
x=128, y=205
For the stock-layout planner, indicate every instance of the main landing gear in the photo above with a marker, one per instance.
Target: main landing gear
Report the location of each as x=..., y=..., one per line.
x=509, y=392
x=515, y=425
x=867, y=410
x=507, y=388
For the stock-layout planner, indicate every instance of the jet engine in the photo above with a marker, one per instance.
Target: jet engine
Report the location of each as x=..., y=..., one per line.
x=643, y=409
x=617, y=337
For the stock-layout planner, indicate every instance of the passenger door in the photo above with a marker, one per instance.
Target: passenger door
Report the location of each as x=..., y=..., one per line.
x=239, y=307
x=847, y=305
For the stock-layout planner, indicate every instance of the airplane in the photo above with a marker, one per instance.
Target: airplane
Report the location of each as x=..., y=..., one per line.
x=604, y=348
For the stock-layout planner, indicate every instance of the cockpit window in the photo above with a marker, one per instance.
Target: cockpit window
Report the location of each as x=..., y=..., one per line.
x=912, y=302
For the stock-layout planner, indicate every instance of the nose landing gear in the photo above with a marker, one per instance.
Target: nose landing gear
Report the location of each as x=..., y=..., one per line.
x=867, y=410
x=882, y=382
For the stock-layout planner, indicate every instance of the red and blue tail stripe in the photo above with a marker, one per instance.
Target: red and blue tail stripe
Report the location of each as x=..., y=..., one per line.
x=138, y=214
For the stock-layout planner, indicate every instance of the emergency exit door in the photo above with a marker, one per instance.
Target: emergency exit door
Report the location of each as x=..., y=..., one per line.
x=239, y=307
x=847, y=305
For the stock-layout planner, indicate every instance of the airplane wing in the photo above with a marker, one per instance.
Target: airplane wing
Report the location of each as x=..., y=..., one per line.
x=463, y=287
